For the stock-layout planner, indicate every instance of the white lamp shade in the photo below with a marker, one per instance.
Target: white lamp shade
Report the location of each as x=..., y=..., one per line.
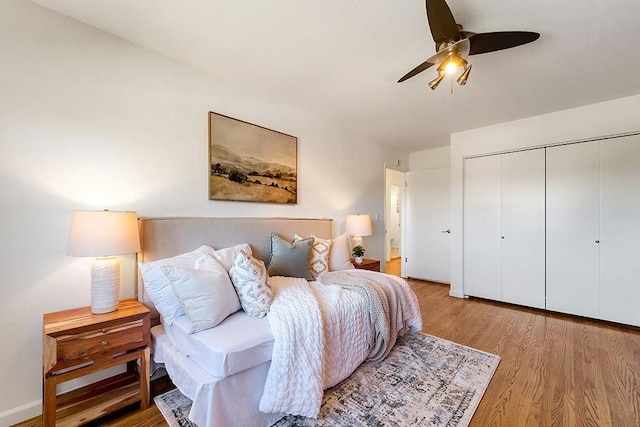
x=103, y=233
x=359, y=225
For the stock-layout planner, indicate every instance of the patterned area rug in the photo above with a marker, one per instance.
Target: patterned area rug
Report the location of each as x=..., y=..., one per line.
x=424, y=381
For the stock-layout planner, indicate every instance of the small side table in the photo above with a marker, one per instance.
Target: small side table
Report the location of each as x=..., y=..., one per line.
x=368, y=264
x=77, y=343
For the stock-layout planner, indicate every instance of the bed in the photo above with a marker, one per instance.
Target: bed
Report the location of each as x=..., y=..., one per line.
x=245, y=371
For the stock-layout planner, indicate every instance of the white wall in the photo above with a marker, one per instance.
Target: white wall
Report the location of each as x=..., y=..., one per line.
x=89, y=121
x=607, y=118
x=434, y=158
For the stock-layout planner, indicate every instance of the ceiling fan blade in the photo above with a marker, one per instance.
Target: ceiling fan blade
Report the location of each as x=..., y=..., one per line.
x=499, y=40
x=420, y=68
x=441, y=22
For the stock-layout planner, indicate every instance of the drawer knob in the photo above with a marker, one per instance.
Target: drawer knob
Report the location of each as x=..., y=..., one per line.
x=104, y=331
x=104, y=343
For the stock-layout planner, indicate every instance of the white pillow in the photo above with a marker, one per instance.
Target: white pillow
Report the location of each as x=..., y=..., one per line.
x=158, y=286
x=207, y=297
x=339, y=256
x=319, y=261
x=227, y=256
x=249, y=277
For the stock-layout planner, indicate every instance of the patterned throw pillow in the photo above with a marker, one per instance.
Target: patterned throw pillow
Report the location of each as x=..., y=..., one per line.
x=249, y=277
x=319, y=261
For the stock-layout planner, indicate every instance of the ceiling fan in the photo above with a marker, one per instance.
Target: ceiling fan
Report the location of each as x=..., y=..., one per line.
x=454, y=45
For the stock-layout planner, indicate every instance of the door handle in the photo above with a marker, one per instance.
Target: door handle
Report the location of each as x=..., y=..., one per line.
x=446, y=231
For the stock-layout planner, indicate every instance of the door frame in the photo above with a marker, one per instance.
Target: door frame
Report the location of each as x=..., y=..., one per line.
x=402, y=217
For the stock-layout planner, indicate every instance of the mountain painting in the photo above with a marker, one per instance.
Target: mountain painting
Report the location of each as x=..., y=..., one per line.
x=250, y=163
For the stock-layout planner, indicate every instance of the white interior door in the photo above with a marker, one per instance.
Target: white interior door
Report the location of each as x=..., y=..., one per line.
x=620, y=230
x=482, y=227
x=573, y=228
x=523, y=228
x=428, y=217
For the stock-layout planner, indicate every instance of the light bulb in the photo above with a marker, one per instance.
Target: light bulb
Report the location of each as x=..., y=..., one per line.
x=451, y=67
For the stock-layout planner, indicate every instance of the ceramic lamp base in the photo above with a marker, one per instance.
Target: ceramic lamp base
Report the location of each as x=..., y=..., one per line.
x=105, y=285
x=355, y=241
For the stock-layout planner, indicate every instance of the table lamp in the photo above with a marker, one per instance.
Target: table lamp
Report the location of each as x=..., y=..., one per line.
x=103, y=234
x=357, y=226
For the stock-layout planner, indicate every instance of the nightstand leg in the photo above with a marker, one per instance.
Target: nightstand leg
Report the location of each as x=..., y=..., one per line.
x=49, y=403
x=145, y=391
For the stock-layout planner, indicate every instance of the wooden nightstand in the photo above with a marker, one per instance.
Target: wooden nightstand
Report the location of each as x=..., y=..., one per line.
x=77, y=343
x=368, y=264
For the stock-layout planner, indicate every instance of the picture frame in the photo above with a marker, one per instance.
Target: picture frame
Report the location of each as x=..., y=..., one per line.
x=251, y=163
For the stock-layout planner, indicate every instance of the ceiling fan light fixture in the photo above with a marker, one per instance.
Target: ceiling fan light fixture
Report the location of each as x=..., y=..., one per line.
x=451, y=63
x=433, y=84
x=454, y=44
x=462, y=80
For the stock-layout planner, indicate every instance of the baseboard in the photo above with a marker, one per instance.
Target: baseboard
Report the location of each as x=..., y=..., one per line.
x=21, y=413
x=456, y=294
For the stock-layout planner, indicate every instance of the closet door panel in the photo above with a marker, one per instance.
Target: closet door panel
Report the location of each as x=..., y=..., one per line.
x=482, y=224
x=572, y=229
x=620, y=230
x=523, y=228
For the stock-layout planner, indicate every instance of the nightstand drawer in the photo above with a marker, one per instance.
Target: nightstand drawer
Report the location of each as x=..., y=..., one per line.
x=80, y=346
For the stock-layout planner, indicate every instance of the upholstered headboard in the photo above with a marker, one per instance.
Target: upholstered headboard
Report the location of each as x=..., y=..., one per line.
x=168, y=237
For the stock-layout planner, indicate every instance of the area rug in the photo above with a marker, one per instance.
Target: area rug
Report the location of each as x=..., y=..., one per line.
x=424, y=381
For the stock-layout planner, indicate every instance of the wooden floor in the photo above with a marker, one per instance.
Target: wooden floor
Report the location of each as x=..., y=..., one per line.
x=393, y=267
x=555, y=370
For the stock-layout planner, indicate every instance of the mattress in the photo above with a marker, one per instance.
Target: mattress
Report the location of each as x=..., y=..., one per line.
x=239, y=343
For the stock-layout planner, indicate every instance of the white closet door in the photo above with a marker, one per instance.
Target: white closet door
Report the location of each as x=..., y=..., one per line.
x=523, y=228
x=428, y=215
x=482, y=217
x=620, y=230
x=573, y=229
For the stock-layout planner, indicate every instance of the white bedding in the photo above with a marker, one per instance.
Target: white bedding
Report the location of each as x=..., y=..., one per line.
x=322, y=333
x=392, y=306
x=317, y=336
x=220, y=402
x=238, y=343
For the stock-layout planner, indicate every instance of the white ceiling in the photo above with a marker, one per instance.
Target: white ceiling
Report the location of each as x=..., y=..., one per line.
x=342, y=58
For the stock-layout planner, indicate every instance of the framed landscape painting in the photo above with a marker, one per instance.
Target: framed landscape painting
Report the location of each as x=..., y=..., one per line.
x=250, y=163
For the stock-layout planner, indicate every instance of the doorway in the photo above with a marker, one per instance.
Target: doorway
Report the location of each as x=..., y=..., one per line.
x=394, y=222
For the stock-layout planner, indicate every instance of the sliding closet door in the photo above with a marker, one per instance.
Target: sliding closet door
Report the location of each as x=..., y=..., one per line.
x=523, y=228
x=482, y=227
x=573, y=229
x=620, y=230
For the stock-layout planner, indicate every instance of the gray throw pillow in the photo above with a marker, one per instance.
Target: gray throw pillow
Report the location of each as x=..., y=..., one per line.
x=290, y=259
